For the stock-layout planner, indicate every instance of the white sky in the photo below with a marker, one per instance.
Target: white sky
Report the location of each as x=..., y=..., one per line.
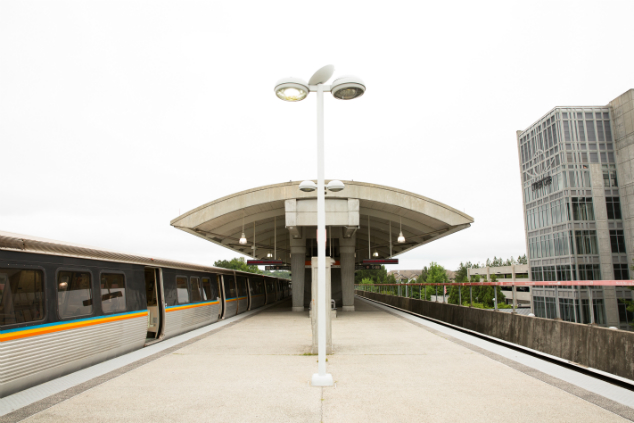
x=116, y=116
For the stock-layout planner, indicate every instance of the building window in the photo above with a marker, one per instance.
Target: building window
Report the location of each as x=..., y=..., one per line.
x=599, y=311
x=613, y=205
x=182, y=292
x=609, y=175
x=536, y=273
x=561, y=244
x=589, y=272
x=566, y=310
x=586, y=242
x=549, y=273
x=617, y=241
x=582, y=208
x=21, y=296
x=621, y=272
x=551, y=310
x=566, y=273
x=626, y=317
x=539, y=306
x=579, y=178
x=112, y=293
x=74, y=294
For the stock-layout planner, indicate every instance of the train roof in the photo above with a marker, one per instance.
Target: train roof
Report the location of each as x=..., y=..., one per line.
x=31, y=244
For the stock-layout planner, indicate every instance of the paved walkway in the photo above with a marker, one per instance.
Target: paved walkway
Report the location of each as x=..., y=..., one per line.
x=387, y=369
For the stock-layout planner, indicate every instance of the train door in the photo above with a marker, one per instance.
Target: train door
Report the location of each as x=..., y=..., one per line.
x=230, y=294
x=155, y=301
x=221, y=295
x=249, y=293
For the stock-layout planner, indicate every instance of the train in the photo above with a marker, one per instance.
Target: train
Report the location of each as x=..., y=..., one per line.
x=64, y=307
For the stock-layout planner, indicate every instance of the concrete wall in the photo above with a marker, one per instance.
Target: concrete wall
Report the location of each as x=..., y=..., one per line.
x=592, y=346
x=623, y=130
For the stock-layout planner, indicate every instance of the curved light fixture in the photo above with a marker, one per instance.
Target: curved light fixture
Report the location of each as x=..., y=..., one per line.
x=401, y=238
x=322, y=75
x=376, y=253
x=335, y=186
x=243, y=239
x=291, y=89
x=347, y=88
x=308, y=186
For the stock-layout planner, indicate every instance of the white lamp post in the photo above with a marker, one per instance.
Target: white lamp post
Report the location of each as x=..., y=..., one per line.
x=295, y=89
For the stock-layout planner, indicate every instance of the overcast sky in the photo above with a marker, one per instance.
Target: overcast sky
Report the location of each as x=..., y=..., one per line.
x=117, y=116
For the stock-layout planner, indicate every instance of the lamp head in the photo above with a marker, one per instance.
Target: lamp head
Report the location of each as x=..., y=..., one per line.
x=291, y=89
x=401, y=238
x=243, y=239
x=376, y=253
x=347, y=87
x=322, y=75
x=307, y=186
x=335, y=186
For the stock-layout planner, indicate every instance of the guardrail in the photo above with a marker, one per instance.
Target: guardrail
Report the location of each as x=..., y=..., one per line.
x=407, y=289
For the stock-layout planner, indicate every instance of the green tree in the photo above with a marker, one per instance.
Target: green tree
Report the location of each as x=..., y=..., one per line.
x=455, y=293
x=436, y=274
x=237, y=263
x=377, y=276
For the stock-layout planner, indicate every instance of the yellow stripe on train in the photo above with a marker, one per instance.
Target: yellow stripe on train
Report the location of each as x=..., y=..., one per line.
x=27, y=333
x=186, y=306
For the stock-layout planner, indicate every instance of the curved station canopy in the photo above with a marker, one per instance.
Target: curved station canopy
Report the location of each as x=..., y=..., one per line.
x=275, y=217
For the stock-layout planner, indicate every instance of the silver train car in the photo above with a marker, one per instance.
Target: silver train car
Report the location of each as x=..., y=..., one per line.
x=64, y=307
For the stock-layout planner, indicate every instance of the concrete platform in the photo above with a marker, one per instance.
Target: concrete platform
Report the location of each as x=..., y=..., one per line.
x=386, y=368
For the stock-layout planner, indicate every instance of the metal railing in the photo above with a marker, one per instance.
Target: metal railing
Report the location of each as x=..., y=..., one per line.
x=420, y=290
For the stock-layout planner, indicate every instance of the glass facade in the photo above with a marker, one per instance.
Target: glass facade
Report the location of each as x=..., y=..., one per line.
x=559, y=154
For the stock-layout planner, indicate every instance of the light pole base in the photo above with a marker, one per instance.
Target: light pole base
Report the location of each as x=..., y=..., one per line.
x=322, y=380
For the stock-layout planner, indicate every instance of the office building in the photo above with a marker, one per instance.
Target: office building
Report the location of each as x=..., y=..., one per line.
x=576, y=166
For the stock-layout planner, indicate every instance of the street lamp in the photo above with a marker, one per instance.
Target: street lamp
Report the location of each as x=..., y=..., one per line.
x=292, y=90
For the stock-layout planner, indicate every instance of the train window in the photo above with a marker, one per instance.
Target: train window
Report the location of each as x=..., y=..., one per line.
x=210, y=291
x=196, y=295
x=259, y=287
x=230, y=287
x=112, y=293
x=242, y=286
x=21, y=296
x=74, y=294
x=181, y=290
x=206, y=289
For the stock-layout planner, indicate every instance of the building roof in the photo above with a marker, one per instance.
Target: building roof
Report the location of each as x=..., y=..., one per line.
x=405, y=274
x=263, y=212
